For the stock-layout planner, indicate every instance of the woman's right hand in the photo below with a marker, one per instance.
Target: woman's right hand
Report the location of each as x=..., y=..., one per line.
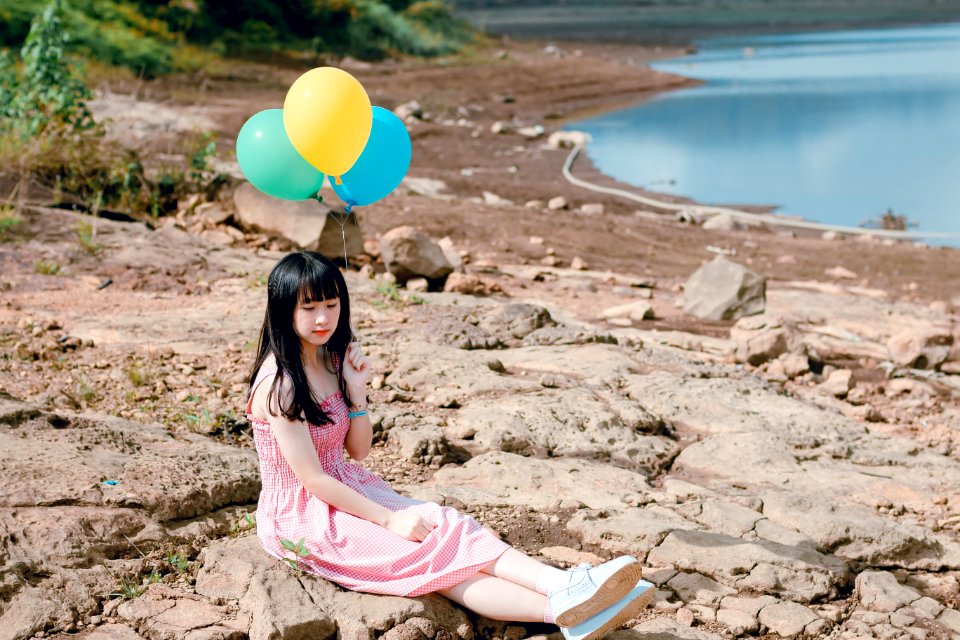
x=409, y=525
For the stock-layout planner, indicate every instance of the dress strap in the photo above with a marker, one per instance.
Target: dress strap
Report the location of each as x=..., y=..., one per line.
x=263, y=373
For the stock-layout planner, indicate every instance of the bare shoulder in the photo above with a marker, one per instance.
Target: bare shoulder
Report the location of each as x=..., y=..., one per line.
x=261, y=395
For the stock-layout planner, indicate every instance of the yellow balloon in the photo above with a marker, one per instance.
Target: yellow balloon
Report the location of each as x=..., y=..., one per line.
x=328, y=117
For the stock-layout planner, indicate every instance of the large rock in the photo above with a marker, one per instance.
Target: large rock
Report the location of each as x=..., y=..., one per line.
x=724, y=290
x=796, y=573
x=627, y=531
x=73, y=518
x=760, y=339
x=515, y=321
x=278, y=604
x=921, y=347
x=308, y=224
x=408, y=253
x=62, y=524
x=570, y=421
x=880, y=591
x=499, y=478
x=445, y=376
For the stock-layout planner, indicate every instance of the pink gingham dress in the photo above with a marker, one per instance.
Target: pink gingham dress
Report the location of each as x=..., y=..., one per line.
x=355, y=553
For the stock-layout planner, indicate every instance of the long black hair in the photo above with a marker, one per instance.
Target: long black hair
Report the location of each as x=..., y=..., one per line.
x=298, y=277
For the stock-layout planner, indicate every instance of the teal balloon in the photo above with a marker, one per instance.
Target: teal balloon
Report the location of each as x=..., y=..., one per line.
x=271, y=163
x=382, y=164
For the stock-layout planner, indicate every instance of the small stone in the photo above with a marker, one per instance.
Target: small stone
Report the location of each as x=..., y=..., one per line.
x=900, y=618
x=818, y=629
x=737, y=621
x=533, y=132
x=927, y=605
x=536, y=240
x=578, y=264
x=592, y=209
x=880, y=591
x=794, y=364
x=661, y=601
x=685, y=616
x=492, y=199
x=840, y=273
x=636, y=311
x=788, y=619
x=838, y=383
x=559, y=202
x=495, y=365
x=417, y=284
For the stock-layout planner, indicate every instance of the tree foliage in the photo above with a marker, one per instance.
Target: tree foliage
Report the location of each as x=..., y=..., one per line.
x=149, y=36
x=49, y=92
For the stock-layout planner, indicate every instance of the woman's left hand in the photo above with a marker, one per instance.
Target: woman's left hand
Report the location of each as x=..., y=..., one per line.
x=356, y=369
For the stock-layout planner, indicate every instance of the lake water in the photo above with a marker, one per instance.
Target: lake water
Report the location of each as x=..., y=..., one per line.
x=836, y=127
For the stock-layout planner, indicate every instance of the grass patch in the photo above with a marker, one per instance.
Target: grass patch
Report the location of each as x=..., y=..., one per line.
x=9, y=220
x=391, y=296
x=139, y=374
x=46, y=267
x=87, y=237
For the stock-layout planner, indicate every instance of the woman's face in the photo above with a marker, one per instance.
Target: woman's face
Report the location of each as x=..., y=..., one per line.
x=316, y=320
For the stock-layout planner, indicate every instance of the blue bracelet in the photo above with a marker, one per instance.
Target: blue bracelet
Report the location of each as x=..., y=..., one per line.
x=357, y=414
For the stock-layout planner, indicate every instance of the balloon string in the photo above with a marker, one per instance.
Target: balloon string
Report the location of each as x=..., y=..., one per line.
x=342, y=221
x=343, y=232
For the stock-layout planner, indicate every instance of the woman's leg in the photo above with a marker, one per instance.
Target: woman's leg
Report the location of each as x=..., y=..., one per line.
x=518, y=568
x=498, y=599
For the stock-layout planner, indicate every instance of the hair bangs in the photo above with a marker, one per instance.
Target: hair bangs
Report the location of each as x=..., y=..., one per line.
x=319, y=284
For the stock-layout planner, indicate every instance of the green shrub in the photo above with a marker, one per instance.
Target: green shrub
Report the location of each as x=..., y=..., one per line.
x=149, y=37
x=49, y=93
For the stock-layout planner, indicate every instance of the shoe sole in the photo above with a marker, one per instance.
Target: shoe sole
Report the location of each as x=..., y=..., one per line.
x=611, y=591
x=635, y=606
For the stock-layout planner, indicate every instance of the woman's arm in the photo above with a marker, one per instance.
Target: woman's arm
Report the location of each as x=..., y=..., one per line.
x=360, y=436
x=297, y=448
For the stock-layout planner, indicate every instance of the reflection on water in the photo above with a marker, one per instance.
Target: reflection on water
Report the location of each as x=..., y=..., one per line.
x=836, y=127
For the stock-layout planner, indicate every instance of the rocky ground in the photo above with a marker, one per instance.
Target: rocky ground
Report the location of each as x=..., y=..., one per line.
x=793, y=473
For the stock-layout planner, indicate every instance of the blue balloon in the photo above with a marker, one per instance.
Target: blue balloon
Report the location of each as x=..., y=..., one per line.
x=381, y=166
x=271, y=163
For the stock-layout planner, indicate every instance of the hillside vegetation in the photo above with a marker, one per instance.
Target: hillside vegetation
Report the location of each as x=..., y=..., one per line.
x=154, y=37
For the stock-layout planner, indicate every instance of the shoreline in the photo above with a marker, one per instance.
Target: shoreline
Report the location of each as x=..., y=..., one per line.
x=768, y=213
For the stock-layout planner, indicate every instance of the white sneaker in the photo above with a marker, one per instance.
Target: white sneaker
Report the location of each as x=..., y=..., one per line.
x=589, y=591
x=613, y=616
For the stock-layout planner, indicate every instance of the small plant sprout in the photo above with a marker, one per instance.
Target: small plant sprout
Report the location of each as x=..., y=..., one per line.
x=179, y=562
x=128, y=589
x=87, y=237
x=247, y=522
x=298, y=550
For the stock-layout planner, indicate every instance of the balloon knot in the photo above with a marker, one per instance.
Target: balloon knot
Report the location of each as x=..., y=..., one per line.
x=347, y=209
x=338, y=180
